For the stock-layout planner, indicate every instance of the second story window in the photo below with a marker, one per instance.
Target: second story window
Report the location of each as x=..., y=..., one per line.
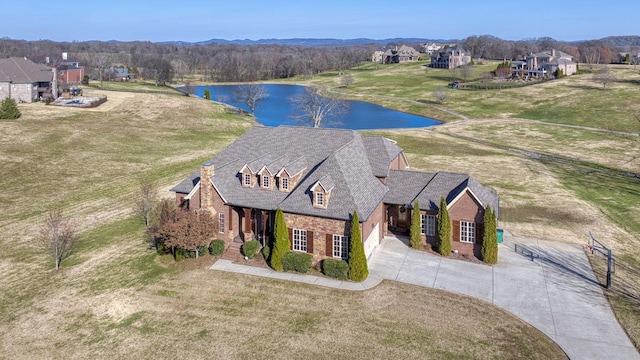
x=265, y=182
x=247, y=180
x=320, y=198
x=284, y=184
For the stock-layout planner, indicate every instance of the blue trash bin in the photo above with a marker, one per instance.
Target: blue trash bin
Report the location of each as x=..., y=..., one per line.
x=499, y=233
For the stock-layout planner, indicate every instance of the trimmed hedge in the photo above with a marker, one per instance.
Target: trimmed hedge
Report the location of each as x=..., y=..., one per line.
x=216, y=247
x=335, y=268
x=295, y=261
x=250, y=248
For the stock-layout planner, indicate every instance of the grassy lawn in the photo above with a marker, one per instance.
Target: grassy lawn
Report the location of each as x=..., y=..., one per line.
x=115, y=298
x=573, y=100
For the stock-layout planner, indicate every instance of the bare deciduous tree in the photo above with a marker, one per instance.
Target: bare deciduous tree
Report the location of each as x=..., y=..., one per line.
x=604, y=77
x=189, y=89
x=347, y=80
x=101, y=62
x=250, y=95
x=485, y=79
x=58, y=236
x=146, y=199
x=312, y=109
x=440, y=94
x=466, y=71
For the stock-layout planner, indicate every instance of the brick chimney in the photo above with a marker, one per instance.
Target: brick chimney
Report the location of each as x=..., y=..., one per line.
x=206, y=188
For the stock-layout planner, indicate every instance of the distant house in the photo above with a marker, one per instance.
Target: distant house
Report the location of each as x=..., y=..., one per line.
x=24, y=81
x=119, y=73
x=629, y=57
x=449, y=58
x=431, y=48
x=397, y=55
x=376, y=57
x=319, y=177
x=544, y=64
x=69, y=71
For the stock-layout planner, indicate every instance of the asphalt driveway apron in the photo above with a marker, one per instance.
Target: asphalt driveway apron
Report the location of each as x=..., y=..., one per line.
x=548, y=284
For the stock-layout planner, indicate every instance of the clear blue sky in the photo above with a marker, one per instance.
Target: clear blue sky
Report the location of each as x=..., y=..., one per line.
x=160, y=20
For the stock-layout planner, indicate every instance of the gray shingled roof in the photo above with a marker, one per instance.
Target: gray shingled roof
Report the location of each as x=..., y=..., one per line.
x=380, y=151
x=22, y=71
x=408, y=186
x=335, y=156
x=342, y=160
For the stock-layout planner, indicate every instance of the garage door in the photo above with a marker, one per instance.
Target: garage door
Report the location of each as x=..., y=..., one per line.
x=372, y=241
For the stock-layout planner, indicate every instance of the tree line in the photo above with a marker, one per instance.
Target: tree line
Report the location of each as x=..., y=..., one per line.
x=244, y=63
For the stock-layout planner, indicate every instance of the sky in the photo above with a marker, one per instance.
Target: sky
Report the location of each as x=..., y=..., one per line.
x=193, y=21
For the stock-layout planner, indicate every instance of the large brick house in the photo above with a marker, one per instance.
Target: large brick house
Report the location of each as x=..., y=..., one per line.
x=24, y=81
x=318, y=177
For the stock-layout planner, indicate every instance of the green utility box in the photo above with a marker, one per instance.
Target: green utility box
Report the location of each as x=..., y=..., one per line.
x=499, y=233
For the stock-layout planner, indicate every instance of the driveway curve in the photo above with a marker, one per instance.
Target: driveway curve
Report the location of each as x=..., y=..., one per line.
x=548, y=284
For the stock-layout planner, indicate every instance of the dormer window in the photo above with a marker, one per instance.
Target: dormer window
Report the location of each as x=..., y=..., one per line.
x=246, y=180
x=265, y=182
x=321, y=191
x=320, y=199
x=284, y=184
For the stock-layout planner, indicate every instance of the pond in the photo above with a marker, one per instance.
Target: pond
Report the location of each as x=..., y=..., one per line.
x=277, y=110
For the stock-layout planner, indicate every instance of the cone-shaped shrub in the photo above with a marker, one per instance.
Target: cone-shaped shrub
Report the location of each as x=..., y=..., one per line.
x=415, y=231
x=358, y=270
x=281, y=245
x=443, y=242
x=489, y=248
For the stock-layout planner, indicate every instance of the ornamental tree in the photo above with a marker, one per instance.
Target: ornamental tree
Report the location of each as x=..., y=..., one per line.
x=188, y=230
x=443, y=242
x=358, y=270
x=415, y=231
x=489, y=248
x=281, y=244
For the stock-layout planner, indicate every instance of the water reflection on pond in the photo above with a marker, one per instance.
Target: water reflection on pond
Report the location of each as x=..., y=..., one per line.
x=277, y=110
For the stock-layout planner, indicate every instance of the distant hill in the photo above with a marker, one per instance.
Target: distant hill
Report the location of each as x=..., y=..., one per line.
x=310, y=42
x=622, y=41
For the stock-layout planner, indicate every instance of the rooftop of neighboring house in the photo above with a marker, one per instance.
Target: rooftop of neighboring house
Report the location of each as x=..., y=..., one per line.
x=23, y=71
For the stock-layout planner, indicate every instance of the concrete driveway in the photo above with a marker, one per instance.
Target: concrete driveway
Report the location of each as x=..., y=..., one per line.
x=548, y=284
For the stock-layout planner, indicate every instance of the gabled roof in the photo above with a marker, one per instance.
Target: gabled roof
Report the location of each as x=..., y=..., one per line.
x=408, y=186
x=22, y=71
x=336, y=158
x=381, y=151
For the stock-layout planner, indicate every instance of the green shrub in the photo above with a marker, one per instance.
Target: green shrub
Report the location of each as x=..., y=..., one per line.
x=443, y=241
x=202, y=251
x=266, y=252
x=250, y=248
x=336, y=268
x=216, y=247
x=162, y=250
x=281, y=244
x=85, y=80
x=9, y=109
x=207, y=94
x=415, y=231
x=295, y=261
x=358, y=268
x=489, y=248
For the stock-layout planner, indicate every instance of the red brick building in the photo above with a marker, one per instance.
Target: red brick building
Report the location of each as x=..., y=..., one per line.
x=319, y=177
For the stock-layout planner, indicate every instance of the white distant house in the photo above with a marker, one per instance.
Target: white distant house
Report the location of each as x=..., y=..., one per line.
x=431, y=48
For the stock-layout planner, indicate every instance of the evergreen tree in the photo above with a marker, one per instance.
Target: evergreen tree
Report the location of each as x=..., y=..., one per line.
x=9, y=109
x=443, y=242
x=207, y=94
x=358, y=270
x=415, y=231
x=281, y=245
x=490, y=237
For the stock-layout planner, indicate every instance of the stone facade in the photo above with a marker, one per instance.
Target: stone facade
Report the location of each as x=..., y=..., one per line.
x=321, y=227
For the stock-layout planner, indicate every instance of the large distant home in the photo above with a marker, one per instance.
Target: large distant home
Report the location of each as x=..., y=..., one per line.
x=24, y=81
x=319, y=177
x=69, y=71
x=397, y=55
x=545, y=64
x=449, y=58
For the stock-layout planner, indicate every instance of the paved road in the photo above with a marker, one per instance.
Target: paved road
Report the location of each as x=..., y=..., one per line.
x=548, y=284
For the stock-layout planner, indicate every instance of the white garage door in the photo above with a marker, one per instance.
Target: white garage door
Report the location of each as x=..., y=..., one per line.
x=372, y=241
